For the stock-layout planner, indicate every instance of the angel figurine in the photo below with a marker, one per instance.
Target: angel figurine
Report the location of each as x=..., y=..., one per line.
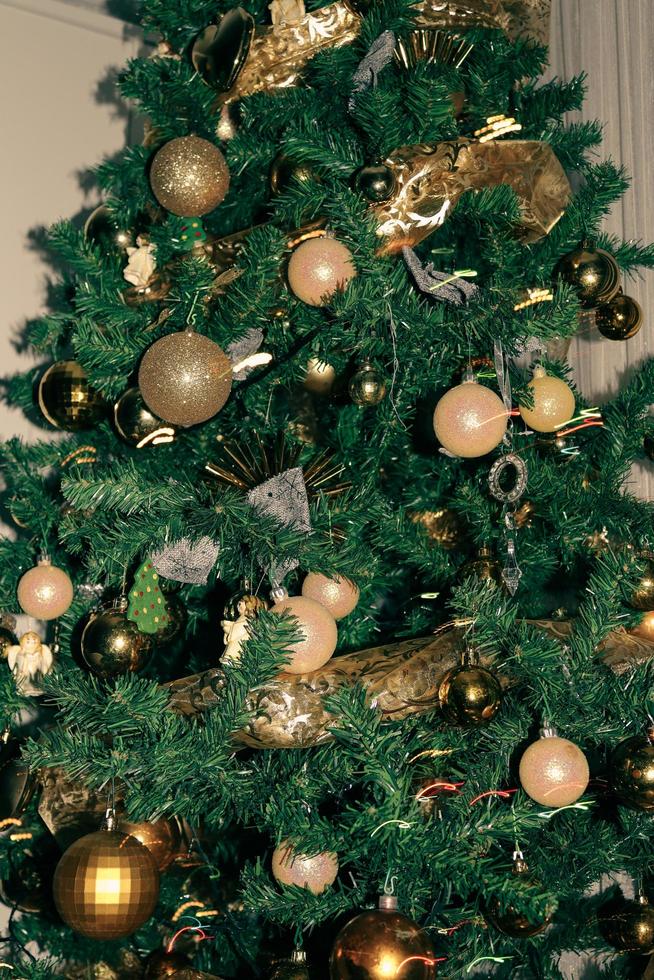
x=237, y=631
x=28, y=659
x=141, y=263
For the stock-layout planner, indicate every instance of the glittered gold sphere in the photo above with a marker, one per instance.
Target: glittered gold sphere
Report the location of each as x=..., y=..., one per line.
x=339, y=595
x=315, y=873
x=162, y=964
x=137, y=425
x=643, y=595
x=318, y=268
x=284, y=170
x=185, y=378
x=554, y=403
x=106, y=885
x=319, y=634
x=470, y=695
x=367, y=386
x=66, y=398
x=161, y=837
x=45, y=591
x=592, y=272
x=554, y=771
x=632, y=772
x=319, y=377
x=380, y=944
x=294, y=968
x=620, y=318
x=441, y=526
x=628, y=925
x=113, y=644
x=470, y=420
x=189, y=176
x=509, y=921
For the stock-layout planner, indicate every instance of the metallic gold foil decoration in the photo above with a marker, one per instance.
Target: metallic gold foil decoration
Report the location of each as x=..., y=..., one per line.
x=106, y=885
x=620, y=318
x=432, y=177
x=189, y=176
x=553, y=770
x=628, y=925
x=67, y=399
x=45, y=591
x=509, y=920
x=632, y=771
x=137, y=425
x=112, y=644
x=470, y=695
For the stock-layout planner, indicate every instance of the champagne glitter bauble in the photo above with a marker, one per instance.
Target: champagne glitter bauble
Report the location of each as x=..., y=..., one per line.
x=112, y=644
x=294, y=968
x=620, y=318
x=318, y=268
x=319, y=634
x=45, y=591
x=470, y=695
x=554, y=402
x=339, y=595
x=643, y=595
x=593, y=273
x=161, y=837
x=512, y=923
x=628, y=925
x=185, y=378
x=632, y=771
x=189, y=176
x=137, y=425
x=367, y=386
x=376, y=183
x=380, y=944
x=319, y=377
x=470, y=420
x=106, y=885
x=314, y=873
x=66, y=398
x=162, y=964
x=554, y=771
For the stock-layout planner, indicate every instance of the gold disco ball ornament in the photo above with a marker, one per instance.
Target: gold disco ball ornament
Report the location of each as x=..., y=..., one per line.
x=106, y=885
x=112, y=644
x=632, y=771
x=620, y=318
x=137, y=425
x=380, y=944
x=628, y=925
x=367, y=386
x=162, y=838
x=592, y=272
x=67, y=399
x=189, y=176
x=470, y=695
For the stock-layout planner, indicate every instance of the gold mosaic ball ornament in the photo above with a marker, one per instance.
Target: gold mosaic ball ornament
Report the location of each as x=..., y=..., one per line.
x=112, y=644
x=554, y=402
x=185, y=378
x=620, y=318
x=632, y=771
x=470, y=695
x=45, y=591
x=554, y=771
x=592, y=272
x=106, y=885
x=137, y=425
x=315, y=873
x=318, y=268
x=161, y=837
x=67, y=399
x=338, y=595
x=470, y=420
x=628, y=925
x=319, y=634
x=367, y=386
x=189, y=176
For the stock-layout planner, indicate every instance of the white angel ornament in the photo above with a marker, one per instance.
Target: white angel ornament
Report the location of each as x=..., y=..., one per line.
x=29, y=659
x=141, y=263
x=237, y=631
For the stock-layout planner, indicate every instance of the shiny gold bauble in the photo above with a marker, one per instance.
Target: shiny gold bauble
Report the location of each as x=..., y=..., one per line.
x=628, y=925
x=319, y=268
x=553, y=402
x=470, y=420
x=367, y=386
x=185, y=378
x=592, y=272
x=442, y=526
x=137, y=425
x=66, y=398
x=219, y=52
x=294, y=968
x=45, y=591
x=319, y=634
x=106, y=885
x=483, y=567
x=27, y=886
x=284, y=170
x=319, y=377
x=511, y=922
x=632, y=772
x=315, y=873
x=177, y=619
x=102, y=230
x=646, y=627
x=620, y=318
x=7, y=639
x=337, y=594
x=161, y=837
x=554, y=771
x=189, y=176
x=643, y=595
x=470, y=695
x=377, y=183
x=380, y=944
x=17, y=782
x=162, y=964
x=113, y=644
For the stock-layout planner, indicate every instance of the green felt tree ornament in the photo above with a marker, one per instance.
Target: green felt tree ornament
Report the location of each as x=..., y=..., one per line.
x=147, y=604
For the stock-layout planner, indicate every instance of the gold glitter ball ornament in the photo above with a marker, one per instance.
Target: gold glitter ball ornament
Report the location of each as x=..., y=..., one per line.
x=337, y=594
x=470, y=420
x=318, y=268
x=112, y=644
x=45, y=591
x=382, y=943
x=106, y=885
x=319, y=634
x=315, y=873
x=367, y=386
x=161, y=837
x=66, y=398
x=470, y=695
x=554, y=771
x=509, y=921
x=592, y=272
x=628, y=925
x=189, y=176
x=294, y=968
x=620, y=318
x=137, y=425
x=185, y=378
x=632, y=772
x=554, y=402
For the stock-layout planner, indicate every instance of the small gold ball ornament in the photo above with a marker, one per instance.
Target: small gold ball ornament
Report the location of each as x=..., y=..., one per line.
x=315, y=873
x=319, y=377
x=294, y=968
x=112, y=644
x=628, y=925
x=632, y=771
x=45, y=591
x=284, y=170
x=66, y=398
x=337, y=594
x=441, y=526
x=470, y=695
x=161, y=837
x=162, y=964
x=318, y=268
x=643, y=595
x=592, y=272
x=509, y=921
x=367, y=386
x=483, y=566
x=554, y=402
x=553, y=770
x=646, y=627
x=319, y=634
x=620, y=318
x=189, y=176
x=137, y=425
x=106, y=885
x=102, y=230
x=377, y=183
x=185, y=378
x=470, y=419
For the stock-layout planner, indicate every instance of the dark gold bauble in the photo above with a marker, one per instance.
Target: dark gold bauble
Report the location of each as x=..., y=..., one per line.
x=628, y=925
x=27, y=886
x=470, y=695
x=189, y=176
x=284, y=170
x=137, y=425
x=66, y=398
x=632, y=771
x=620, y=318
x=294, y=968
x=643, y=595
x=511, y=922
x=592, y=272
x=524, y=515
x=106, y=885
x=483, y=567
x=161, y=837
x=7, y=636
x=648, y=446
x=113, y=644
x=17, y=783
x=162, y=964
x=379, y=944
x=177, y=619
x=102, y=230
x=367, y=386
x=320, y=376
x=442, y=526
x=377, y=183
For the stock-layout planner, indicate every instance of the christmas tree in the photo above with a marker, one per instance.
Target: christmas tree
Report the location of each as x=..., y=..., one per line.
x=394, y=719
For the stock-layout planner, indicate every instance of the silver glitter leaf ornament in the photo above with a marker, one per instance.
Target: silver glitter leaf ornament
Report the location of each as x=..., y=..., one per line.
x=379, y=54
x=285, y=498
x=443, y=286
x=239, y=350
x=186, y=560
